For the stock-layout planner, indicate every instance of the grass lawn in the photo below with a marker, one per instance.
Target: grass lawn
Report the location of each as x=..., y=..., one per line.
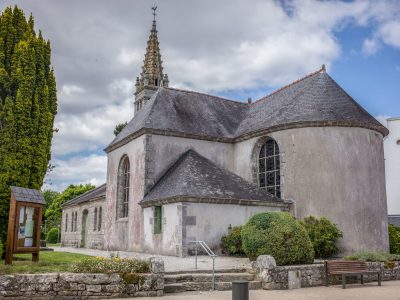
x=51, y=245
x=49, y=262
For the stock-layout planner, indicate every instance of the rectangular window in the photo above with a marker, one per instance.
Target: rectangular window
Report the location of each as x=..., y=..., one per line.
x=66, y=222
x=95, y=220
x=157, y=219
x=100, y=217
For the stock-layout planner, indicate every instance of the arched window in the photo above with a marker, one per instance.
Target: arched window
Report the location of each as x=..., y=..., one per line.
x=269, y=168
x=123, y=188
x=66, y=222
x=95, y=220
x=100, y=217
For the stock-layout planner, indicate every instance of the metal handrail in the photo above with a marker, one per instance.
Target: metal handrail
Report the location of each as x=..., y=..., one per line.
x=209, y=253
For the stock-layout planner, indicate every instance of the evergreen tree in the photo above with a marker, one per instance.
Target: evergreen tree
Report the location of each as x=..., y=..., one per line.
x=119, y=128
x=28, y=105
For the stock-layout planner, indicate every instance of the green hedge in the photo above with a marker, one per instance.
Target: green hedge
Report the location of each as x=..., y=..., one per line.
x=52, y=235
x=373, y=256
x=323, y=234
x=394, y=239
x=1, y=250
x=232, y=242
x=110, y=265
x=277, y=234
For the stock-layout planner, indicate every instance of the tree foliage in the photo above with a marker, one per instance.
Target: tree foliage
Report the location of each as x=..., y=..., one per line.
x=119, y=128
x=54, y=211
x=394, y=239
x=323, y=234
x=28, y=104
x=232, y=242
x=277, y=234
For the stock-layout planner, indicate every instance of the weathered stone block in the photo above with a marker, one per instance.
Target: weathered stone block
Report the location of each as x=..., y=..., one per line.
x=93, y=288
x=156, y=265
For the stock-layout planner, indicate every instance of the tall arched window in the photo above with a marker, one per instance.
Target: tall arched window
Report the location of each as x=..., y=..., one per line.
x=123, y=188
x=100, y=217
x=95, y=220
x=66, y=222
x=269, y=168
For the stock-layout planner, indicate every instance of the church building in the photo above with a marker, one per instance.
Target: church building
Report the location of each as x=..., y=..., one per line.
x=189, y=166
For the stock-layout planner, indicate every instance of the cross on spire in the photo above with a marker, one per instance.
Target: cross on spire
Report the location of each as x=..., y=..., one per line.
x=154, y=8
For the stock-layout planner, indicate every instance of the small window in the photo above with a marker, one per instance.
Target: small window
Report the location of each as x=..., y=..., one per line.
x=72, y=222
x=76, y=220
x=95, y=220
x=100, y=218
x=66, y=222
x=157, y=219
x=398, y=142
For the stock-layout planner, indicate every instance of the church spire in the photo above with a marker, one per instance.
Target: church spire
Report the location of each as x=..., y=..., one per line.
x=152, y=75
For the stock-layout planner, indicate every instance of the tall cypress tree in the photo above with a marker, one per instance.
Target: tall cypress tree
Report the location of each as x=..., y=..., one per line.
x=28, y=105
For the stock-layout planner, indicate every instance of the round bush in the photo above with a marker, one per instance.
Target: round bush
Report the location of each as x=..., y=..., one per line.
x=232, y=242
x=52, y=236
x=323, y=234
x=277, y=234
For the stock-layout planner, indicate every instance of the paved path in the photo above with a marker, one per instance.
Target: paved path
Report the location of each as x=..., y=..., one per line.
x=390, y=290
x=172, y=263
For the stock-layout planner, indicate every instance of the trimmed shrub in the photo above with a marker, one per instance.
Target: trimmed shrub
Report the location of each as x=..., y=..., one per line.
x=110, y=265
x=277, y=234
x=52, y=236
x=232, y=242
x=323, y=235
x=373, y=256
x=394, y=239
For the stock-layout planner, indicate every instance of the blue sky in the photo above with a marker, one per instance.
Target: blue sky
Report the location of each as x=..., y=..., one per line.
x=232, y=48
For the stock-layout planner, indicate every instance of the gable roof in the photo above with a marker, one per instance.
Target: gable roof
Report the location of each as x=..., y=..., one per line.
x=193, y=175
x=315, y=100
x=27, y=195
x=95, y=194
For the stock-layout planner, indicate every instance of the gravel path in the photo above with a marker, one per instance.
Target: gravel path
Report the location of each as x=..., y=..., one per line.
x=172, y=263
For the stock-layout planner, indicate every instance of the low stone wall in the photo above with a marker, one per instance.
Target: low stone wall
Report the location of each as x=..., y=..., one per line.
x=83, y=286
x=277, y=277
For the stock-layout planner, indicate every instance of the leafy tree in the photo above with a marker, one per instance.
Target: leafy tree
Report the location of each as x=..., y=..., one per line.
x=323, y=234
x=119, y=128
x=28, y=105
x=54, y=211
x=394, y=239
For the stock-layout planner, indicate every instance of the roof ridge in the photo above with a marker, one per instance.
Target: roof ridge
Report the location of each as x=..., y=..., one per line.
x=199, y=93
x=290, y=84
x=85, y=193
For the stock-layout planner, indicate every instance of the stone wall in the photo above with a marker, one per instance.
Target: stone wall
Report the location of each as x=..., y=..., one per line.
x=277, y=277
x=95, y=233
x=83, y=286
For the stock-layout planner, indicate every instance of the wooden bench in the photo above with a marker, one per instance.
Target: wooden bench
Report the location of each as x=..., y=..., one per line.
x=348, y=268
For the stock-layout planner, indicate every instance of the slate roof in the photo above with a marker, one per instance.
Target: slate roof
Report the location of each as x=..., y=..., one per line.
x=193, y=175
x=314, y=100
x=27, y=195
x=97, y=193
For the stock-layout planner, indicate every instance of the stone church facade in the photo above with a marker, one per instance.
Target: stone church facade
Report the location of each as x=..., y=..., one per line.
x=189, y=166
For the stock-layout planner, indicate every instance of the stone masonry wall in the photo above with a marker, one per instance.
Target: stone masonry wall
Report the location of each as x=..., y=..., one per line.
x=82, y=286
x=276, y=277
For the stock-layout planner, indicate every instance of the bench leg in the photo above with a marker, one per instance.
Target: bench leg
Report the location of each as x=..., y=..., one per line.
x=379, y=279
x=343, y=281
x=362, y=279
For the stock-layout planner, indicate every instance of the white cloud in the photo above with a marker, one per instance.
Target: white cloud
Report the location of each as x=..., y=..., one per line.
x=68, y=89
x=382, y=119
x=126, y=57
x=78, y=170
x=371, y=46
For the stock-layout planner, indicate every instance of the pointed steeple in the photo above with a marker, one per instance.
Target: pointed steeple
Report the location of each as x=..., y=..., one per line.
x=151, y=77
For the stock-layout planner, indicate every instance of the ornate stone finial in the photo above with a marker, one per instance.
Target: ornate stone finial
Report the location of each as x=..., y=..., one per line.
x=323, y=68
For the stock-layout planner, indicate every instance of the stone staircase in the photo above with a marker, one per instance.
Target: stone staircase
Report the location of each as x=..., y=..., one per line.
x=201, y=280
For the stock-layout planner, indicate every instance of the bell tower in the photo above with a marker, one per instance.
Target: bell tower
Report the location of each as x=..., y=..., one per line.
x=152, y=76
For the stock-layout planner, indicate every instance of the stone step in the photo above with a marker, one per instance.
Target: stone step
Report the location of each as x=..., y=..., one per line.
x=205, y=286
x=233, y=270
x=207, y=277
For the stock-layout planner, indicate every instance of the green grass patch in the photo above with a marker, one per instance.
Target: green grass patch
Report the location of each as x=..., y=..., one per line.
x=49, y=262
